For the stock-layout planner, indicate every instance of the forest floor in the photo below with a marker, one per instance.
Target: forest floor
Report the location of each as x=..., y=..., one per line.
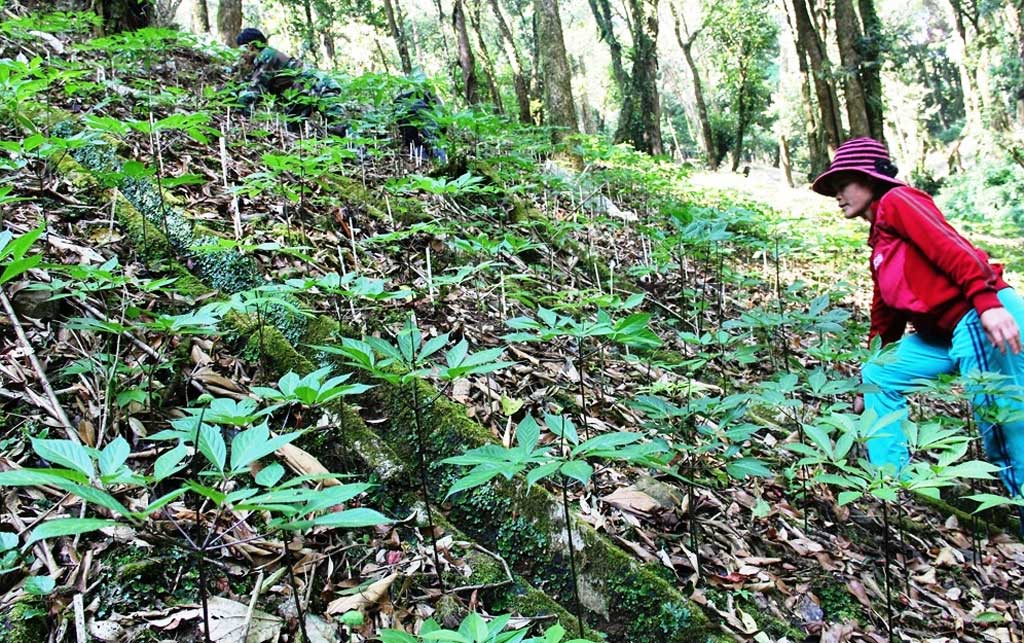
x=707, y=326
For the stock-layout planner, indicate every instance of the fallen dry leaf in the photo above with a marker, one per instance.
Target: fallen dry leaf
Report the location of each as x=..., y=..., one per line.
x=304, y=463
x=631, y=499
x=369, y=596
x=228, y=622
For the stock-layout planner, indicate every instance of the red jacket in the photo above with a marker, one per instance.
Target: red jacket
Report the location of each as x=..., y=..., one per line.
x=924, y=271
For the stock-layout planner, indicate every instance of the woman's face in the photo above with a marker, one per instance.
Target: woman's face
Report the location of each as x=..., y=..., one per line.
x=854, y=193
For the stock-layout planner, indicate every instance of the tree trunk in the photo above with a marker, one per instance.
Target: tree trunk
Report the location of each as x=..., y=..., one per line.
x=537, y=80
x=492, y=79
x=383, y=56
x=1015, y=22
x=586, y=112
x=968, y=80
x=706, y=134
x=443, y=30
x=398, y=33
x=848, y=34
x=811, y=45
x=870, y=52
x=640, y=119
x=466, y=61
x=229, y=20
x=202, y=17
x=519, y=77
x=742, y=120
x=310, y=43
x=603, y=16
x=330, y=49
x=554, y=65
x=125, y=15
x=785, y=161
x=817, y=139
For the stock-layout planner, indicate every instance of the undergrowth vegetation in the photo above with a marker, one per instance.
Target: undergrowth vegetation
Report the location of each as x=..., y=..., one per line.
x=342, y=391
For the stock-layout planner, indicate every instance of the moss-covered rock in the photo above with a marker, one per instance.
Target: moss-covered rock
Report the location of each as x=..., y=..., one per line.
x=527, y=526
x=25, y=622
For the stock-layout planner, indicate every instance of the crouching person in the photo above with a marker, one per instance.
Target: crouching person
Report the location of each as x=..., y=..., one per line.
x=967, y=319
x=417, y=124
x=302, y=91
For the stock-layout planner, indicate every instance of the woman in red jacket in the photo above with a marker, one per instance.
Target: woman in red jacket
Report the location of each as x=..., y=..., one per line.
x=965, y=317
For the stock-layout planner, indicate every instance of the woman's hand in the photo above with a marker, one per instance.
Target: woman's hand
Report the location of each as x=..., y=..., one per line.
x=1002, y=329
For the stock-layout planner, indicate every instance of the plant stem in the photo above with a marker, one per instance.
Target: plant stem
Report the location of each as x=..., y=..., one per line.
x=580, y=368
x=259, y=322
x=421, y=453
x=201, y=550
x=975, y=539
x=572, y=555
x=694, y=527
x=888, y=583
x=903, y=543
x=721, y=281
x=289, y=562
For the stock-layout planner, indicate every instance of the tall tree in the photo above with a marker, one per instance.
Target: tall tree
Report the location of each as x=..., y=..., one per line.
x=602, y=11
x=202, y=17
x=485, y=55
x=398, y=34
x=848, y=33
x=810, y=46
x=870, y=50
x=965, y=14
x=520, y=78
x=125, y=15
x=746, y=38
x=686, y=41
x=555, y=72
x=467, y=62
x=640, y=119
x=229, y=20
x=309, y=39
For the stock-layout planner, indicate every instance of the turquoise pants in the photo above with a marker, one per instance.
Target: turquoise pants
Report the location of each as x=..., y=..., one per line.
x=969, y=352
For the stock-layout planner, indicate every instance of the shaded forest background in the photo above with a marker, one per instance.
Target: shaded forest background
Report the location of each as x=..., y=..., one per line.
x=732, y=82
x=185, y=251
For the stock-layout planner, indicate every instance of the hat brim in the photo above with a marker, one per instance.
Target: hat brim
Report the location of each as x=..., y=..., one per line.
x=823, y=184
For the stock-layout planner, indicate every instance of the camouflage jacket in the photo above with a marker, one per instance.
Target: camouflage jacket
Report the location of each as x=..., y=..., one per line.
x=274, y=72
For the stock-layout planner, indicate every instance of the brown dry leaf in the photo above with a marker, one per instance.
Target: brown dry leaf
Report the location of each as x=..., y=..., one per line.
x=227, y=622
x=804, y=546
x=369, y=596
x=631, y=499
x=320, y=631
x=637, y=549
x=210, y=377
x=838, y=632
x=948, y=557
x=106, y=630
x=172, y=620
x=87, y=433
x=304, y=463
x=461, y=391
x=199, y=356
x=857, y=589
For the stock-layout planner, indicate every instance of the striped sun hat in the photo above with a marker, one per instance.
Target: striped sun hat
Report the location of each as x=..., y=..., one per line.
x=864, y=155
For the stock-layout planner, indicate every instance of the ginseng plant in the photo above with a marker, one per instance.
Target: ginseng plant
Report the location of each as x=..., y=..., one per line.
x=568, y=461
x=406, y=364
x=860, y=479
x=218, y=479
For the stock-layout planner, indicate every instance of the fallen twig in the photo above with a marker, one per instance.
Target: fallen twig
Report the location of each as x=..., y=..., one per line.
x=57, y=410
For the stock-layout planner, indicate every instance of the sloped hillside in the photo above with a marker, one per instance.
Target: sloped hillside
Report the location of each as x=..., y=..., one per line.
x=261, y=383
